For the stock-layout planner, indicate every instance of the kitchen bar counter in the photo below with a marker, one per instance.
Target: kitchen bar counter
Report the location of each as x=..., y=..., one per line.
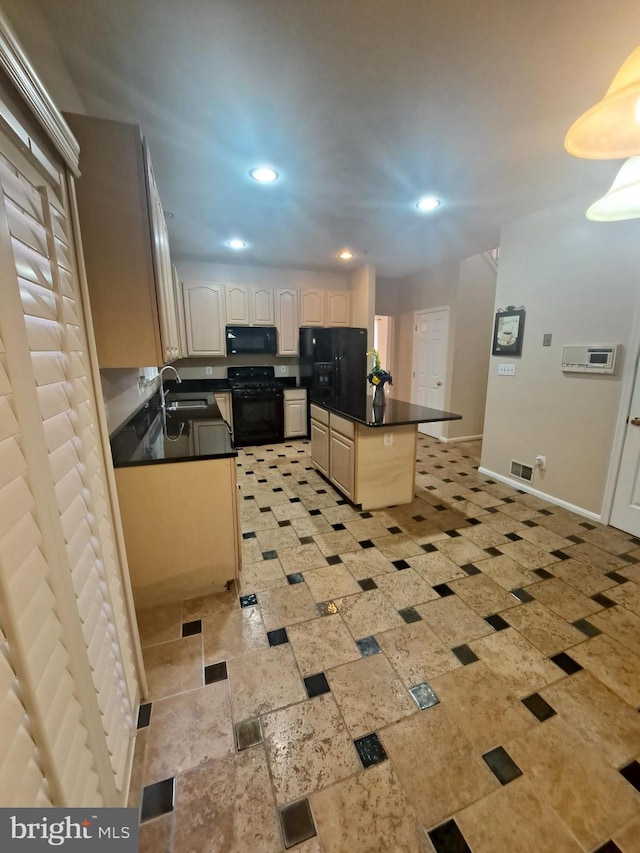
x=394, y=413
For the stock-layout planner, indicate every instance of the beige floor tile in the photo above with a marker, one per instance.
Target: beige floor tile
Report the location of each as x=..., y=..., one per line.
x=515, y=819
x=319, y=501
x=620, y=624
x=520, y=664
x=331, y=582
x=595, y=557
x=628, y=595
x=227, y=805
x=254, y=520
x=613, y=541
x=588, y=795
x=613, y=664
x=256, y=577
x=368, y=563
x=562, y=524
x=435, y=568
x=308, y=747
x=289, y=511
x=416, y=653
x=322, y=644
x=504, y=523
x=369, y=694
x=628, y=839
x=547, y=631
x=518, y=511
x=340, y=514
x=264, y=680
x=301, y=558
x=405, y=588
x=366, y=528
x=309, y=525
x=582, y=577
x=228, y=635
x=484, y=536
x=453, y=620
x=449, y=519
x=156, y=836
x=251, y=551
x=276, y=538
x=528, y=555
x=268, y=498
x=454, y=774
x=598, y=714
x=160, y=624
x=368, y=613
x=174, y=667
x=137, y=768
x=187, y=730
x=423, y=532
x=483, y=594
x=397, y=546
x=284, y=606
x=632, y=572
x=565, y=600
x=506, y=572
x=367, y=813
x=543, y=538
x=460, y=550
x=482, y=705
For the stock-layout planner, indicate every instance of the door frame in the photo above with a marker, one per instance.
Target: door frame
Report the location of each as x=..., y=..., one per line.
x=446, y=309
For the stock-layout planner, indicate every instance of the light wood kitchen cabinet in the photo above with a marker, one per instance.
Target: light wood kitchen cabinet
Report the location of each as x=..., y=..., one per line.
x=125, y=246
x=204, y=317
x=223, y=402
x=261, y=311
x=237, y=305
x=295, y=412
x=312, y=307
x=177, y=291
x=338, y=307
x=320, y=446
x=287, y=322
x=342, y=459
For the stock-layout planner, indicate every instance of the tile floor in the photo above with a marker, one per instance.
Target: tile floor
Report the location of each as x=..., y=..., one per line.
x=462, y=673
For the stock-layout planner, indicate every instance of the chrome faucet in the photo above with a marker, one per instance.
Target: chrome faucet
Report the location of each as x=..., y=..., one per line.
x=166, y=367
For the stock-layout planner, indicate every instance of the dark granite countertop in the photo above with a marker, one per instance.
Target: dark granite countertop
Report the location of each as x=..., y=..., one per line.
x=394, y=413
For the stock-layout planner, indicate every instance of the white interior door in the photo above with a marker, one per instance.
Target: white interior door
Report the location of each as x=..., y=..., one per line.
x=626, y=500
x=430, y=336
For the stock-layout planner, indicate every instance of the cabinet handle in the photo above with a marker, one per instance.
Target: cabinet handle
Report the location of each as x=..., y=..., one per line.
x=635, y=421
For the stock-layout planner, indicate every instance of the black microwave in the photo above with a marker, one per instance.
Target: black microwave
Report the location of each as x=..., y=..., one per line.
x=251, y=340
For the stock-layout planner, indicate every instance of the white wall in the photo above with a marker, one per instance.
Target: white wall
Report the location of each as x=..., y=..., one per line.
x=578, y=280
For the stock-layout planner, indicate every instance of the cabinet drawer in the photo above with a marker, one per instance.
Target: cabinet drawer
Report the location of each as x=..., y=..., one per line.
x=343, y=426
x=295, y=394
x=321, y=415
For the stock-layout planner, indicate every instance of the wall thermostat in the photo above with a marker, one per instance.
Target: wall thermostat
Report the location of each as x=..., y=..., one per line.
x=590, y=358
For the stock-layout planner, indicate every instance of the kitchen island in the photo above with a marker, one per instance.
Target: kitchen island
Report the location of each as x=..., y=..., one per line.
x=367, y=451
x=176, y=479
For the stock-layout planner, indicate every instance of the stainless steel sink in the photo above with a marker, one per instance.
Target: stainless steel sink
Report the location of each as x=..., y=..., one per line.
x=181, y=405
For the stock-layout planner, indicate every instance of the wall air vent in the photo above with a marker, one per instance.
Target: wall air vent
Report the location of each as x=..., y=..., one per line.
x=522, y=472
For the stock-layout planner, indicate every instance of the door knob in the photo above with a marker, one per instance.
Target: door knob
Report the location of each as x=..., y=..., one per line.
x=635, y=421
x=438, y=383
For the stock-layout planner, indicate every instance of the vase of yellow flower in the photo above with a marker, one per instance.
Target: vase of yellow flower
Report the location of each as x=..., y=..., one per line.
x=378, y=377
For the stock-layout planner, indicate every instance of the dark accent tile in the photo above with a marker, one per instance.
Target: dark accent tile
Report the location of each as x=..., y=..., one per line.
x=251, y=472
x=394, y=530
x=314, y=512
x=265, y=509
x=428, y=548
x=473, y=521
x=575, y=539
x=262, y=480
x=543, y=573
x=285, y=523
x=333, y=560
x=458, y=498
x=326, y=608
x=470, y=569
x=366, y=515
x=366, y=543
x=418, y=518
x=338, y=526
x=248, y=600
x=608, y=847
x=446, y=479
x=508, y=500
x=529, y=523
x=248, y=535
x=269, y=555
x=586, y=525
x=440, y=507
x=566, y=663
x=400, y=564
x=410, y=614
x=447, y=838
x=277, y=637
x=367, y=584
x=632, y=774
x=316, y=685
x=614, y=576
x=496, y=622
x=443, y=590
x=521, y=594
x=297, y=823
x=215, y=672
x=278, y=489
x=475, y=488
x=492, y=510
x=190, y=629
x=634, y=540
x=248, y=497
x=295, y=577
x=465, y=655
x=294, y=500
x=513, y=536
x=602, y=600
x=586, y=627
x=628, y=558
x=502, y=765
x=493, y=552
x=144, y=715
x=545, y=512
x=287, y=474
x=370, y=750
x=157, y=799
x=452, y=533
x=538, y=706
x=302, y=482
x=561, y=555
x=368, y=646
x=423, y=696
x=342, y=502
x=321, y=491
x=306, y=540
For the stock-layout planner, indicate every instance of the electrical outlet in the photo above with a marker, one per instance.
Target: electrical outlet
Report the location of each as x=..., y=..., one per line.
x=208, y=371
x=506, y=370
x=387, y=440
x=283, y=368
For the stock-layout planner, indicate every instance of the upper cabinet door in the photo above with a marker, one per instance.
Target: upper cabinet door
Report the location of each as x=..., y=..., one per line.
x=312, y=311
x=204, y=316
x=237, y=298
x=261, y=306
x=338, y=308
x=177, y=291
x=287, y=321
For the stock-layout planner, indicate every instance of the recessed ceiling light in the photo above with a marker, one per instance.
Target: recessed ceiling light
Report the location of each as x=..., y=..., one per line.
x=264, y=175
x=236, y=244
x=428, y=202
x=345, y=255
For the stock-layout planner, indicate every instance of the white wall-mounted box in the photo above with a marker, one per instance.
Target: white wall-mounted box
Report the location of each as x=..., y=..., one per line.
x=590, y=358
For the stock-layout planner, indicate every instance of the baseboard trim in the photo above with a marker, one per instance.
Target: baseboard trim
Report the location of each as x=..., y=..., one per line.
x=461, y=438
x=524, y=487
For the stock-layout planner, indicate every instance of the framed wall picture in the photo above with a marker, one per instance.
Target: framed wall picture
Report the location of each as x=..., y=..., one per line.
x=508, y=331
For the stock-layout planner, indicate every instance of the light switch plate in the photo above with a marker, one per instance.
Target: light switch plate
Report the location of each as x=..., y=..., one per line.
x=387, y=440
x=506, y=370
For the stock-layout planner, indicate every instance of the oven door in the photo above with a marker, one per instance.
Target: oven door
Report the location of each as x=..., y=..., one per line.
x=258, y=417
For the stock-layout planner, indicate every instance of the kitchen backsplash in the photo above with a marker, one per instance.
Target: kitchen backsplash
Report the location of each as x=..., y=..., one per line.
x=216, y=368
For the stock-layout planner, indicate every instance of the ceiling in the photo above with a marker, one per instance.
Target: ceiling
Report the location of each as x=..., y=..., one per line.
x=362, y=106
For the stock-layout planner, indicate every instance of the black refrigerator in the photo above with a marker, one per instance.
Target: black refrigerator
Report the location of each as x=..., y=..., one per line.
x=333, y=363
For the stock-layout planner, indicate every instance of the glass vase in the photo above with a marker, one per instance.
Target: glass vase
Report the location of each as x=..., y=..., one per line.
x=379, y=398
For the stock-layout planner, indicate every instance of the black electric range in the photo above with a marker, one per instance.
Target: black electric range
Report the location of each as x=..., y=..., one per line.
x=257, y=399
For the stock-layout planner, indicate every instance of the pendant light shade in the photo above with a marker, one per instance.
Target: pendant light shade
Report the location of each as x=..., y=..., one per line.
x=611, y=129
x=623, y=199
